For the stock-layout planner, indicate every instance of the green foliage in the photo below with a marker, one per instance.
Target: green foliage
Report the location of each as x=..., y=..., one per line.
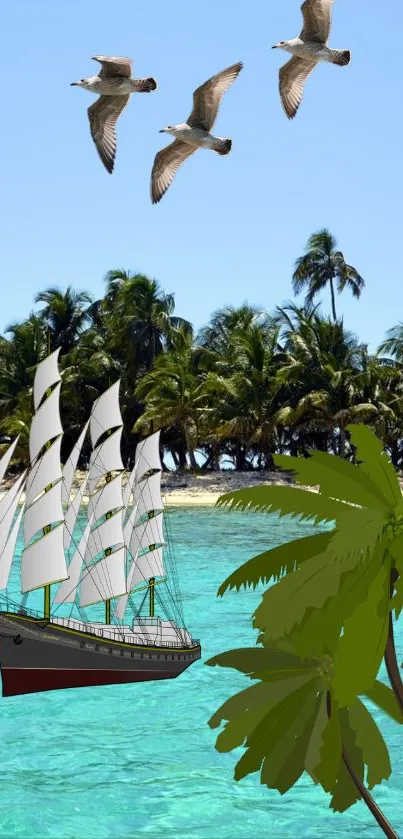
x=275, y=563
x=363, y=643
x=324, y=627
x=383, y=697
x=286, y=501
x=375, y=463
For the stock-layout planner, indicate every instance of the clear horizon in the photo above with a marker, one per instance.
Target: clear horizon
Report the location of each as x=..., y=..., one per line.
x=229, y=229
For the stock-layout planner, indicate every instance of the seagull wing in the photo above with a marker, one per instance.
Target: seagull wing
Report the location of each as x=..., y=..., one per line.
x=207, y=97
x=103, y=115
x=166, y=164
x=317, y=16
x=293, y=76
x=113, y=66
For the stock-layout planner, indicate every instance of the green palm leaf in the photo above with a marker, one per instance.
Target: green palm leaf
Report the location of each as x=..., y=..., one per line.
x=383, y=697
x=337, y=478
x=375, y=462
x=284, y=605
x=287, y=501
x=322, y=761
x=313, y=636
x=284, y=559
x=369, y=739
x=362, y=645
x=345, y=792
x=273, y=663
x=359, y=536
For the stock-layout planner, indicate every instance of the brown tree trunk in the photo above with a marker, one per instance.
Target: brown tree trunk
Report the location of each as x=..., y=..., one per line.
x=189, y=446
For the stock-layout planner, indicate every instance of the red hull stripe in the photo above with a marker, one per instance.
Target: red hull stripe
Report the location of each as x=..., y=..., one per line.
x=18, y=680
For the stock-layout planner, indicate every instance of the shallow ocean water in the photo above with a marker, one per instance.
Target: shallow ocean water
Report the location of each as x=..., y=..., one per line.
x=139, y=760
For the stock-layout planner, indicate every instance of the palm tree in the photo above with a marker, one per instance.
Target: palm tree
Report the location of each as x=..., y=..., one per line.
x=320, y=266
x=141, y=317
x=172, y=394
x=65, y=315
x=225, y=322
x=393, y=344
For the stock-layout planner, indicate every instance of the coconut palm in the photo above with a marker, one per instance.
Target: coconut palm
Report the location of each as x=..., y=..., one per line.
x=172, y=394
x=322, y=265
x=65, y=315
x=141, y=317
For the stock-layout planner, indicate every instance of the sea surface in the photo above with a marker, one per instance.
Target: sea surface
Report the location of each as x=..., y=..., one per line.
x=139, y=760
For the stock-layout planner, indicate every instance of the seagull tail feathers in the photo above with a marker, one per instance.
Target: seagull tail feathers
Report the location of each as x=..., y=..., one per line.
x=341, y=57
x=144, y=85
x=223, y=146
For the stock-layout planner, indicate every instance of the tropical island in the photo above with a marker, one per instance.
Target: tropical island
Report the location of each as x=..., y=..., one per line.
x=248, y=385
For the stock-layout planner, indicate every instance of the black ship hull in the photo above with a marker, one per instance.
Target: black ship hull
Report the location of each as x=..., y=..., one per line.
x=36, y=656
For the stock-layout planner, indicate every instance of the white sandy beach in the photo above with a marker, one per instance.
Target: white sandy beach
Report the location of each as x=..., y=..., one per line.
x=189, y=489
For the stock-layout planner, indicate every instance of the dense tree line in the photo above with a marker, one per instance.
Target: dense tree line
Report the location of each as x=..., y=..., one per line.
x=248, y=385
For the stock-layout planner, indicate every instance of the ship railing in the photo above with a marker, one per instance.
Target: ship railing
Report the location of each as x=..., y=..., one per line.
x=124, y=633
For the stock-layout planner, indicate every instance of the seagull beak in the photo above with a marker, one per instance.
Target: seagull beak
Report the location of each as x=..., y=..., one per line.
x=73, y=84
x=275, y=47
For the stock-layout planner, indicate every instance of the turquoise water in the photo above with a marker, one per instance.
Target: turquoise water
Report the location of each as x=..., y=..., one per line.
x=139, y=760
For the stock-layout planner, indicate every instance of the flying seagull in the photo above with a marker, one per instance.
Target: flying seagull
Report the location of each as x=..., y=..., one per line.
x=115, y=84
x=307, y=50
x=195, y=133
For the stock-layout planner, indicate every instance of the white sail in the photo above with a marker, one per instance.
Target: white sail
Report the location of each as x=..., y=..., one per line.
x=46, y=424
x=46, y=509
x=109, y=497
x=147, y=493
x=147, y=533
x=141, y=570
x=128, y=527
x=67, y=590
x=46, y=375
x=145, y=567
x=104, y=579
x=148, y=455
x=127, y=492
x=7, y=554
x=8, y=506
x=105, y=458
x=105, y=413
x=5, y=460
x=43, y=562
x=46, y=471
x=72, y=514
x=107, y=535
x=69, y=467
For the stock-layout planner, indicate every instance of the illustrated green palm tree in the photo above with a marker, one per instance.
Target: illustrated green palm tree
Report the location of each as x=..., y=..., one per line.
x=323, y=265
x=65, y=315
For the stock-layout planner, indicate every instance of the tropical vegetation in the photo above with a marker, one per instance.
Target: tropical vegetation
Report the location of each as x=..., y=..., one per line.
x=250, y=384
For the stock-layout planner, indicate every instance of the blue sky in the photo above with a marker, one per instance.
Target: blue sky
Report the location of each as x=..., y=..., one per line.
x=229, y=228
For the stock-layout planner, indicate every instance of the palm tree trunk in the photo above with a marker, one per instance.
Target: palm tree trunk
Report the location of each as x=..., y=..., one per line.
x=342, y=443
x=332, y=294
x=189, y=446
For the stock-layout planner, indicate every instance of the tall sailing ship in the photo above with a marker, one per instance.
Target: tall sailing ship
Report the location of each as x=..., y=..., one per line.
x=117, y=565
